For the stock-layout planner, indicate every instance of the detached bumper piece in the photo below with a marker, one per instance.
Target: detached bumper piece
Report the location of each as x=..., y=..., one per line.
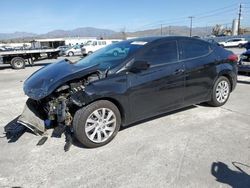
x=32, y=118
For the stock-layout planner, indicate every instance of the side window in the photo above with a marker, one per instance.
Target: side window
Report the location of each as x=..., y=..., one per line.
x=94, y=43
x=99, y=42
x=193, y=48
x=162, y=53
x=103, y=42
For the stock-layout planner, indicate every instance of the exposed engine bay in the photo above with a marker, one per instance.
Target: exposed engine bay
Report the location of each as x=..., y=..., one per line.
x=57, y=110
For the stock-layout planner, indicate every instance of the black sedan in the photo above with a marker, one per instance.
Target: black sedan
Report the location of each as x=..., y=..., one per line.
x=102, y=92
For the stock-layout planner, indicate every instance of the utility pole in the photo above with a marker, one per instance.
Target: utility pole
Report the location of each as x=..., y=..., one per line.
x=239, y=19
x=191, y=24
x=161, y=29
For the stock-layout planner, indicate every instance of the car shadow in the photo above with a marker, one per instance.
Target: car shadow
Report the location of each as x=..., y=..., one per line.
x=14, y=131
x=235, y=178
x=243, y=82
x=78, y=144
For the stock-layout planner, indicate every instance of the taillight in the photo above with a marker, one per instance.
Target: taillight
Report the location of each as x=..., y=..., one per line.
x=233, y=58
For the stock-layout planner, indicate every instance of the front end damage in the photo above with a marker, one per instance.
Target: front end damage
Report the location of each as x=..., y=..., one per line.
x=57, y=109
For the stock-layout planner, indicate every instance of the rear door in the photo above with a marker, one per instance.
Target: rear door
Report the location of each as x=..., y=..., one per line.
x=200, y=67
x=159, y=88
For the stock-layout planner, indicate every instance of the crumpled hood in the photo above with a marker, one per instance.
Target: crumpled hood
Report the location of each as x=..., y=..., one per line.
x=44, y=81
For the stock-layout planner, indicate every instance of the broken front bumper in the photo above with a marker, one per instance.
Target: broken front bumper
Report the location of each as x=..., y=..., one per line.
x=32, y=117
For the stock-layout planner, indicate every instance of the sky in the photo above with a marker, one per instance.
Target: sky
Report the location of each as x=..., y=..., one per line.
x=41, y=16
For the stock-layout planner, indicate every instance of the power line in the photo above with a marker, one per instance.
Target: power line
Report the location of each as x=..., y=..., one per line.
x=216, y=10
x=227, y=10
x=181, y=19
x=218, y=14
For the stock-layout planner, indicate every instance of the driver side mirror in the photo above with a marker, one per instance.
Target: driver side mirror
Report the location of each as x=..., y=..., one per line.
x=139, y=66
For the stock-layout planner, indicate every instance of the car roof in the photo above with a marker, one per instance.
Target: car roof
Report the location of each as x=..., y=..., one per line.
x=155, y=38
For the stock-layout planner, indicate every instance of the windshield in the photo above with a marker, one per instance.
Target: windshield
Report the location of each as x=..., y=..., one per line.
x=112, y=55
x=88, y=43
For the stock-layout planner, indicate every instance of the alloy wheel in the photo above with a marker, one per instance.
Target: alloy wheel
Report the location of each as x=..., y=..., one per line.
x=222, y=91
x=100, y=125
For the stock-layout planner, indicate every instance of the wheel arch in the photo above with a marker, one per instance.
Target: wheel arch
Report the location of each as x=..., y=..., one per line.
x=71, y=52
x=118, y=105
x=228, y=75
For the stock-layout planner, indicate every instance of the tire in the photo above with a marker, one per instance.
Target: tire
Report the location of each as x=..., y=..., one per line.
x=88, y=127
x=70, y=54
x=240, y=45
x=221, y=92
x=17, y=63
x=90, y=52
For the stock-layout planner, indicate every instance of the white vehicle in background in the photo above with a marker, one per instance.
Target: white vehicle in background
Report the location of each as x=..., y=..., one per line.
x=75, y=50
x=92, y=46
x=235, y=42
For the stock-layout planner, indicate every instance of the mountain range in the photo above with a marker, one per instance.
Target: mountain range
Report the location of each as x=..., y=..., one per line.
x=106, y=33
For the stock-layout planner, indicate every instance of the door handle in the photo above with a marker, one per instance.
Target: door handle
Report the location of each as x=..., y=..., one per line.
x=179, y=71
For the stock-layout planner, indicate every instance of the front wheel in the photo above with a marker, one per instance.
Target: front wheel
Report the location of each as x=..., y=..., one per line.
x=221, y=92
x=97, y=124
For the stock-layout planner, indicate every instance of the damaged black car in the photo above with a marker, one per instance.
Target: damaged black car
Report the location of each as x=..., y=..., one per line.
x=97, y=95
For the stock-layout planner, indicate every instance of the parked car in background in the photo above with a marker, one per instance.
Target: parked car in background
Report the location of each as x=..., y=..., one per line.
x=92, y=46
x=2, y=49
x=245, y=56
x=75, y=50
x=235, y=42
x=247, y=46
x=243, y=65
x=103, y=92
x=63, y=50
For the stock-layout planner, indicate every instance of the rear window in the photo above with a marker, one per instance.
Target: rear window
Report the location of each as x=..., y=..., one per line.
x=193, y=49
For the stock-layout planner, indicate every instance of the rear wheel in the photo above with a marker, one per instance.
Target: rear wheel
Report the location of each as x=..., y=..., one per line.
x=97, y=124
x=17, y=63
x=221, y=92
